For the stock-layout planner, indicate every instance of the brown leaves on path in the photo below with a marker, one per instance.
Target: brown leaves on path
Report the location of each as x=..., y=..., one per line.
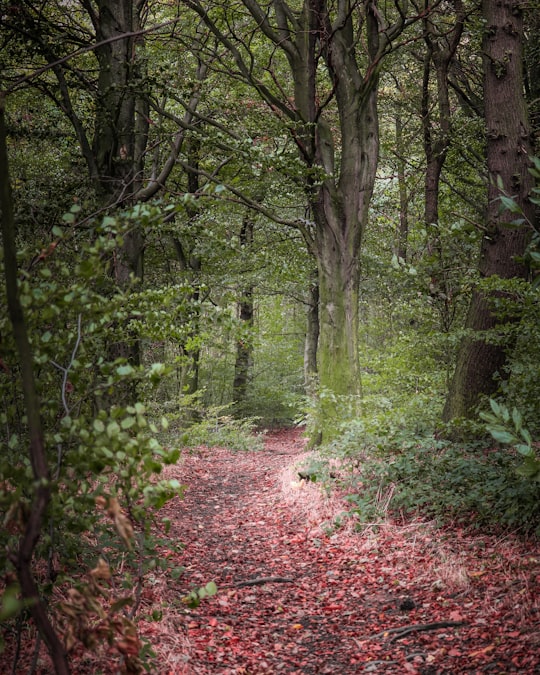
x=297, y=597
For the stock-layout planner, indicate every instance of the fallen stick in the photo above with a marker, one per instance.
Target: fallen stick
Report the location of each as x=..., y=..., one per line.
x=259, y=581
x=402, y=631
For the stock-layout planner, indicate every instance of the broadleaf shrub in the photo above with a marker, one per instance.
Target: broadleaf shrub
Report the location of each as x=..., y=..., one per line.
x=430, y=478
x=103, y=452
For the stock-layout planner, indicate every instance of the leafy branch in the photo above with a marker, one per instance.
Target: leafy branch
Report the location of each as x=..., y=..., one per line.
x=507, y=428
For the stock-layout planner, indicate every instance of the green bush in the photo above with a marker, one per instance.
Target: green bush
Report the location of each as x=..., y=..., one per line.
x=426, y=477
x=103, y=455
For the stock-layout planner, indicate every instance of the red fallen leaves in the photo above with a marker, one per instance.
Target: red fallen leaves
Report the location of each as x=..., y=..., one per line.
x=242, y=520
x=347, y=586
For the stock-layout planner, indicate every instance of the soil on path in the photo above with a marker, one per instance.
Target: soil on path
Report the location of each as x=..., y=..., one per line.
x=296, y=596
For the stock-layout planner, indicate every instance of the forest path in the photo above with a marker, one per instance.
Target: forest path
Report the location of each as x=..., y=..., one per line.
x=333, y=602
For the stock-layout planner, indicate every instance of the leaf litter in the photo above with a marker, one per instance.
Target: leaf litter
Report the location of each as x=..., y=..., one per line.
x=297, y=596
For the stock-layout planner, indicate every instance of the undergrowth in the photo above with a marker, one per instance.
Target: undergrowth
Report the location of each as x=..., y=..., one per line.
x=471, y=483
x=191, y=424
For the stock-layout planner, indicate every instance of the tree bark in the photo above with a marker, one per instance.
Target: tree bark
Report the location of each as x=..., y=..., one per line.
x=119, y=142
x=312, y=334
x=403, y=226
x=480, y=361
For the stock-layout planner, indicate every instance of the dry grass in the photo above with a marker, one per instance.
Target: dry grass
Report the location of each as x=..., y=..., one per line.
x=309, y=501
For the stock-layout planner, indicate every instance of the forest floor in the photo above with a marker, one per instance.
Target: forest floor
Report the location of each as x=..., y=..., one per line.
x=298, y=596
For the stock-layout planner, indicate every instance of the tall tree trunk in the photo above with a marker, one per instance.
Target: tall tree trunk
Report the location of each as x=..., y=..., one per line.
x=191, y=266
x=403, y=226
x=121, y=127
x=508, y=146
x=340, y=211
x=441, y=46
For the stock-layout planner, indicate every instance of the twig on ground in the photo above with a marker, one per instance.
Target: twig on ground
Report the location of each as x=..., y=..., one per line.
x=259, y=581
x=402, y=631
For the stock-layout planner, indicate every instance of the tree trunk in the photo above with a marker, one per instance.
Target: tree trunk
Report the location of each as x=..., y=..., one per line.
x=508, y=146
x=41, y=489
x=437, y=132
x=403, y=226
x=340, y=210
x=312, y=334
x=244, y=347
x=121, y=127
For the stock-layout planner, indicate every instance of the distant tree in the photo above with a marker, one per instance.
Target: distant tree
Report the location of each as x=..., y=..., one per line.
x=317, y=65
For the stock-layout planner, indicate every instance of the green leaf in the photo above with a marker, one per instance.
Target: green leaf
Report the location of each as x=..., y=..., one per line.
x=526, y=436
x=99, y=426
x=11, y=604
x=502, y=436
x=126, y=369
x=517, y=419
x=495, y=406
x=127, y=422
x=510, y=204
x=529, y=469
x=113, y=429
x=211, y=588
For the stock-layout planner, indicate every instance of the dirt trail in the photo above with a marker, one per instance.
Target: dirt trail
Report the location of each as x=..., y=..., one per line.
x=393, y=601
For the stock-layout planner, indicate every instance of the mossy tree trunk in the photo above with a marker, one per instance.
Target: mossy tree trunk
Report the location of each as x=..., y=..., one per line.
x=479, y=360
x=334, y=52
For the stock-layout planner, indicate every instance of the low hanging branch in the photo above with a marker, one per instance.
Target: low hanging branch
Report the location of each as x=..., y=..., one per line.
x=22, y=559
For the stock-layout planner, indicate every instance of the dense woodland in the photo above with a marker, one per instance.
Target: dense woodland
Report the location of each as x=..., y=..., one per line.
x=220, y=218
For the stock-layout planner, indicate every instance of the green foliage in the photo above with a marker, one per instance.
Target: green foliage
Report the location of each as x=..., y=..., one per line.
x=216, y=428
x=193, y=598
x=104, y=456
x=507, y=428
x=430, y=478
x=508, y=203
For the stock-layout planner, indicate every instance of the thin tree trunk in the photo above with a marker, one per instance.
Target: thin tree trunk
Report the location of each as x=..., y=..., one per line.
x=403, y=227
x=38, y=459
x=312, y=334
x=244, y=347
x=437, y=133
